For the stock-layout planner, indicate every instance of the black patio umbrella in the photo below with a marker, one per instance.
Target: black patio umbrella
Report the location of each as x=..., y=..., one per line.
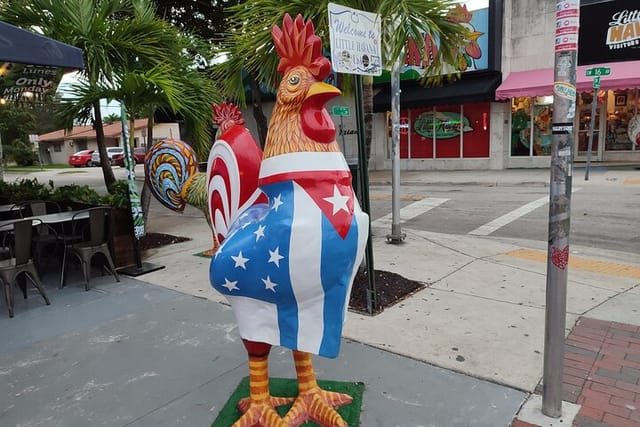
x=25, y=47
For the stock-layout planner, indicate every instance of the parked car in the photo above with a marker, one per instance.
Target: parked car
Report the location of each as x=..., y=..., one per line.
x=81, y=158
x=111, y=151
x=138, y=155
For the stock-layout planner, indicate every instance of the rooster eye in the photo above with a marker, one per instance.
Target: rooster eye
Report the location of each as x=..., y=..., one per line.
x=294, y=80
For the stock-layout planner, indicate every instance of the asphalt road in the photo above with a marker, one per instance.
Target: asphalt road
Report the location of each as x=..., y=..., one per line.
x=603, y=216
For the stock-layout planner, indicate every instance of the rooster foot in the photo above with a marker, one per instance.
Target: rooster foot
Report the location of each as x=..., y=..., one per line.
x=319, y=406
x=261, y=414
x=209, y=252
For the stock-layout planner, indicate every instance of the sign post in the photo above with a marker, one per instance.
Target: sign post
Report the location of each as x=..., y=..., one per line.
x=595, y=72
x=355, y=49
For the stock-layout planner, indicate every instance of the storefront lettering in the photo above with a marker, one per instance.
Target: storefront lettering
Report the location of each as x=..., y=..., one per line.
x=624, y=29
x=443, y=124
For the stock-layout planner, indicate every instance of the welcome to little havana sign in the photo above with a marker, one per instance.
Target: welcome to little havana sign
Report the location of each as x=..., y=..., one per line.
x=355, y=41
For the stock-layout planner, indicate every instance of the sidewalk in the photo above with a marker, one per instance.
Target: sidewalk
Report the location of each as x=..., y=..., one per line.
x=465, y=351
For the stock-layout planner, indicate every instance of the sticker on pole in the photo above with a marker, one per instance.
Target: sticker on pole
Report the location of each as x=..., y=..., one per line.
x=355, y=41
x=404, y=125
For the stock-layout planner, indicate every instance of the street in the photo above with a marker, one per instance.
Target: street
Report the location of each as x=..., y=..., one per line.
x=604, y=213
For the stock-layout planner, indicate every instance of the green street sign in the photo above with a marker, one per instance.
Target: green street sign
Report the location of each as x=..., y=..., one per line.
x=596, y=82
x=340, y=111
x=598, y=71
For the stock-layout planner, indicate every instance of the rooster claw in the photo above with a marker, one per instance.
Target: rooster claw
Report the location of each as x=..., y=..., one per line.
x=319, y=406
x=261, y=414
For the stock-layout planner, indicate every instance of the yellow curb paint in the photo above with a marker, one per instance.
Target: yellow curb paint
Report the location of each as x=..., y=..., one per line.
x=584, y=264
x=632, y=181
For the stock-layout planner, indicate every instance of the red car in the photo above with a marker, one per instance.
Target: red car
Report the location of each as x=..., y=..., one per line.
x=138, y=155
x=81, y=158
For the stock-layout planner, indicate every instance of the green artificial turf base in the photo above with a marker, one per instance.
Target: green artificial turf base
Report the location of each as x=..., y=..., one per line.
x=286, y=387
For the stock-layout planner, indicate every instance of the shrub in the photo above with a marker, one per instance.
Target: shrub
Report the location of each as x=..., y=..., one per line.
x=119, y=197
x=22, y=154
x=26, y=189
x=73, y=194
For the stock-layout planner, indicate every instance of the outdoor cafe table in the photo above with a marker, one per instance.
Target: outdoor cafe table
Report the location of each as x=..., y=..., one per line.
x=52, y=218
x=5, y=208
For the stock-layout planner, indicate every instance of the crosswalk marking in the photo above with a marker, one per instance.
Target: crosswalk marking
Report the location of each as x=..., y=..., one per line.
x=413, y=210
x=490, y=227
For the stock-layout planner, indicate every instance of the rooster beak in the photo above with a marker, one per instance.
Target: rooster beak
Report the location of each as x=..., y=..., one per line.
x=321, y=88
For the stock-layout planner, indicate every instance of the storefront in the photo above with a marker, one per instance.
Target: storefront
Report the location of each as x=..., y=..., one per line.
x=609, y=38
x=451, y=125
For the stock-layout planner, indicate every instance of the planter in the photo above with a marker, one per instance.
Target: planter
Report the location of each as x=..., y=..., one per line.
x=122, y=238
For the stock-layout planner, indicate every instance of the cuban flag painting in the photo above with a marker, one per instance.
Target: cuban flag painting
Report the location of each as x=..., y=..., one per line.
x=287, y=266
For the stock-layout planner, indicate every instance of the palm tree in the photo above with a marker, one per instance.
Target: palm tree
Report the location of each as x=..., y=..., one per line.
x=249, y=43
x=113, y=34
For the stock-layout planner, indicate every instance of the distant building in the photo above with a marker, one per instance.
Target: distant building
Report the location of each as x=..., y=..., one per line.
x=56, y=147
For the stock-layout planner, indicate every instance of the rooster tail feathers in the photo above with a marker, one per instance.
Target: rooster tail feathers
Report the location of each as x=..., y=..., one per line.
x=170, y=166
x=232, y=178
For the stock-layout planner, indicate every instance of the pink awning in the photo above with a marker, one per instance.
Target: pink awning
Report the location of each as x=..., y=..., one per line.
x=624, y=75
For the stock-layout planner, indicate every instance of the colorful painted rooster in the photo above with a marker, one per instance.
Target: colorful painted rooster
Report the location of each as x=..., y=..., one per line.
x=291, y=233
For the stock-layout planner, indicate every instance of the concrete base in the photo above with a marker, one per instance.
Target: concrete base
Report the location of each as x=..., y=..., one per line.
x=531, y=413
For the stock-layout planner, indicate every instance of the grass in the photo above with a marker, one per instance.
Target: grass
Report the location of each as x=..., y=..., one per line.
x=35, y=168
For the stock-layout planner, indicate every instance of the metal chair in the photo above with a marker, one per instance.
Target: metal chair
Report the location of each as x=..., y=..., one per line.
x=97, y=242
x=45, y=235
x=20, y=263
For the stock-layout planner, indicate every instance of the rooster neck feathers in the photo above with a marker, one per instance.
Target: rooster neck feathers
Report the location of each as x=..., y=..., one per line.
x=302, y=66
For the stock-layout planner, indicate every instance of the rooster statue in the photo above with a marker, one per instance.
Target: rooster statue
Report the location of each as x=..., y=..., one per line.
x=291, y=233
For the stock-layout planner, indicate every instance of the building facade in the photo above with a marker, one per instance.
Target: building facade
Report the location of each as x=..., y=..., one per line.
x=497, y=115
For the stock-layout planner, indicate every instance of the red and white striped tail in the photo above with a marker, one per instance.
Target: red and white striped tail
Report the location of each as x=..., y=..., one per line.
x=232, y=178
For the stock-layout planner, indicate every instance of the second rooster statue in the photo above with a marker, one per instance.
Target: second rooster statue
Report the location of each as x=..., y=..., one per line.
x=290, y=229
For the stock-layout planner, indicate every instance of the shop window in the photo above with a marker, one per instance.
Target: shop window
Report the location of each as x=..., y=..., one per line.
x=621, y=108
x=422, y=129
x=449, y=125
x=531, y=126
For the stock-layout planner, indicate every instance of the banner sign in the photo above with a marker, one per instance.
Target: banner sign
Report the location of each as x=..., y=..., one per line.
x=129, y=162
x=609, y=32
x=22, y=82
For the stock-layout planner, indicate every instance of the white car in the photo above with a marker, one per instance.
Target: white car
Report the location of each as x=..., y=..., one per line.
x=111, y=151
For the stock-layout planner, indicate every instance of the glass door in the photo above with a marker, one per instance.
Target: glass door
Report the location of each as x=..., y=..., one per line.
x=584, y=129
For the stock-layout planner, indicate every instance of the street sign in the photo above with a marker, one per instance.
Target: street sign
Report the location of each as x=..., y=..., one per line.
x=355, y=40
x=340, y=110
x=598, y=71
x=596, y=82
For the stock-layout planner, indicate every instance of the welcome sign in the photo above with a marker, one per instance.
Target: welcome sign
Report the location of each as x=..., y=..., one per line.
x=609, y=32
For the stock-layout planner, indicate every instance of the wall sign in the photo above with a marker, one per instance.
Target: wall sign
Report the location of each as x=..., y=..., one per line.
x=21, y=82
x=609, y=32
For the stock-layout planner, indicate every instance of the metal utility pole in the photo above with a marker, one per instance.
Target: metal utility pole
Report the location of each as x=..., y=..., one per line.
x=396, y=235
x=564, y=108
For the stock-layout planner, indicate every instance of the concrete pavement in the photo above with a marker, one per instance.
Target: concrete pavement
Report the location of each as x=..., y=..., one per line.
x=479, y=322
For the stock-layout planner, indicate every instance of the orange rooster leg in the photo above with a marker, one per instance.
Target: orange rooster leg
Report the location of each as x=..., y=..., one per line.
x=259, y=409
x=313, y=403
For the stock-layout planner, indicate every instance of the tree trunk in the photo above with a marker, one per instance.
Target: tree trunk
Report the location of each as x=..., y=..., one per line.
x=367, y=95
x=258, y=113
x=109, y=178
